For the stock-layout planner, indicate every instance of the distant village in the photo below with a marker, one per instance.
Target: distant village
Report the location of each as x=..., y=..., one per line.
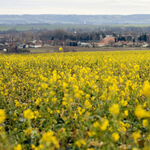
x=19, y=42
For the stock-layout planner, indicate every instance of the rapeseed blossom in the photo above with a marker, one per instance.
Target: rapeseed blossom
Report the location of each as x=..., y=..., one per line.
x=146, y=89
x=80, y=143
x=50, y=138
x=2, y=116
x=60, y=49
x=28, y=114
x=18, y=147
x=136, y=136
x=104, y=124
x=114, y=109
x=96, y=124
x=87, y=104
x=115, y=136
x=140, y=112
x=90, y=100
x=136, y=67
x=145, y=122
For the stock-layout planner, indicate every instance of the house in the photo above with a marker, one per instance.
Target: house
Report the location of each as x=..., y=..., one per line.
x=20, y=46
x=34, y=41
x=144, y=44
x=37, y=45
x=109, y=40
x=120, y=44
x=40, y=41
x=130, y=44
x=84, y=44
x=100, y=44
x=48, y=42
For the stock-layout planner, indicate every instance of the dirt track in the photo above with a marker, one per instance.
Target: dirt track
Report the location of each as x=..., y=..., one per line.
x=51, y=49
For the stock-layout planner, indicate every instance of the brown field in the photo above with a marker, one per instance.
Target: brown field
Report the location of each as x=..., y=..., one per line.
x=52, y=49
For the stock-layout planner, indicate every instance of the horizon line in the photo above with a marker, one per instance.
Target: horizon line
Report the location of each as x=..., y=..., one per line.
x=78, y=14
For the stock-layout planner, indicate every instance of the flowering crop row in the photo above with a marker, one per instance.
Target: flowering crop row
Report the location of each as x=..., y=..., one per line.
x=66, y=101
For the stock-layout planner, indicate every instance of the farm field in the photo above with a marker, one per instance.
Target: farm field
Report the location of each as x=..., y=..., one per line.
x=75, y=101
x=63, y=26
x=52, y=49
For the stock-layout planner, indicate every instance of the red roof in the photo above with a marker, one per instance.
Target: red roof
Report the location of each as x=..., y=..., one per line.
x=123, y=42
x=107, y=40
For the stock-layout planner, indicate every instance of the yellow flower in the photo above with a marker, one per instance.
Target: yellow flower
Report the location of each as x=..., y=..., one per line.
x=18, y=147
x=148, y=137
x=124, y=103
x=136, y=136
x=60, y=49
x=147, y=148
x=140, y=112
x=135, y=148
x=40, y=147
x=17, y=104
x=36, y=114
x=87, y=104
x=28, y=131
x=87, y=96
x=52, y=93
x=79, y=143
x=49, y=137
x=146, y=89
x=38, y=101
x=126, y=113
x=91, y=133
x=77, y=95
x=145, y=123
x=144, y=105
x=104, y=124
x=96, y=124
x=122, y=129
x=2, y=116
x=114, y=109
x=75, y=116
x=54, y=99
x=136, y=67
x=57, y=111
x=127, y=125
x=90, y=149
x=33, y=146
x=80, y=111
x=28, y=114
x=64, y=103
x=44, y=86
x=115, y=136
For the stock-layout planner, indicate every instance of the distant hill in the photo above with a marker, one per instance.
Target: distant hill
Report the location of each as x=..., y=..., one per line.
x=75, y=19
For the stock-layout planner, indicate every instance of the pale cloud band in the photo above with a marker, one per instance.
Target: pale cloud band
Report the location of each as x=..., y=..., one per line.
x=75, y=7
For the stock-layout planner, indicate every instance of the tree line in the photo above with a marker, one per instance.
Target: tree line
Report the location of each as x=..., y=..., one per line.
x=86, y=35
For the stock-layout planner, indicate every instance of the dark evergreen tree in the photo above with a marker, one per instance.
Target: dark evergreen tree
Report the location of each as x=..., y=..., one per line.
x=145, y=37
x=91, y=38
x=52, y=38
x=140, y=38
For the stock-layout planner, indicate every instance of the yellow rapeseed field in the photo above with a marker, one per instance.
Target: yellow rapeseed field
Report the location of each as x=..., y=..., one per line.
x=75, y=101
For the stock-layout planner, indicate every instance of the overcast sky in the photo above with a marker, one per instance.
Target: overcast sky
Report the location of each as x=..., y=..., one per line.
x=124, y=7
